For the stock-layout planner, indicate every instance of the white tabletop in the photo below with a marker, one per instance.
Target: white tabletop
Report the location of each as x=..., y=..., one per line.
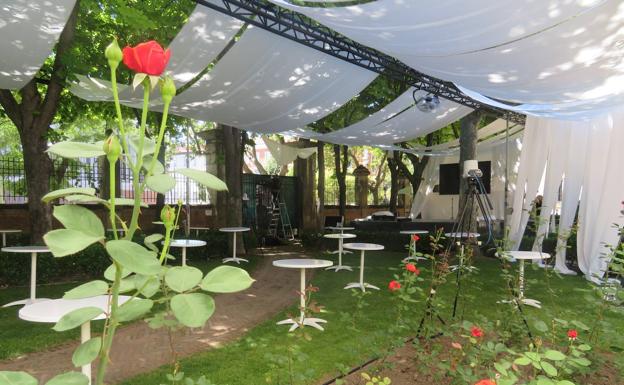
x=187, y=243
x=338, y=236
x=462, y=235
x=339, y=228
x=198, y=228
x=53, y=310
x=535, y=255
x=414, y=232
x=10, y=231
x=26, y=249
x=363, y=246
x=302, y=263
x=233, y=229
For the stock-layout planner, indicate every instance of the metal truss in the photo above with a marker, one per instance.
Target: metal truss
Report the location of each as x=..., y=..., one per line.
x=301, y=29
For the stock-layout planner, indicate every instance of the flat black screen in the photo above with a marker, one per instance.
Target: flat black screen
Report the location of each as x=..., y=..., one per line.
x=449, y=177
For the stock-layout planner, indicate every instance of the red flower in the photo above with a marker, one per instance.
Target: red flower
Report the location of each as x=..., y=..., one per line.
x=394, y=285
x=476, y=332
x=572, y=334
x=485, y=382
x=415, y=237
x=148, y=58
x=412, y=268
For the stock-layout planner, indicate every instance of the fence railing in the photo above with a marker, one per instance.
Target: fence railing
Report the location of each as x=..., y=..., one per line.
x=90, y=173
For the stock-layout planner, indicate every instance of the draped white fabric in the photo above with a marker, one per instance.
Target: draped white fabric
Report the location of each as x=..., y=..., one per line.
x=271, y=84
x=557, y=53
x=285, y=154
x=29, y=31
x=588, y=157
x=397, y=122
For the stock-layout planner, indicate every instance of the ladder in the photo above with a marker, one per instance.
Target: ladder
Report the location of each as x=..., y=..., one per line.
x=279, y=216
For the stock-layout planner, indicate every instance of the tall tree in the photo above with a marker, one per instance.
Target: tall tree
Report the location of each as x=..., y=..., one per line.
x=320, y=186
x=341, y=163
x=418, y=166
x=469, y=126
x=393, y=166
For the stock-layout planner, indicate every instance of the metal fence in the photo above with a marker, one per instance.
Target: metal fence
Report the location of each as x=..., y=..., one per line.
x=89, y=173
x=257, y=191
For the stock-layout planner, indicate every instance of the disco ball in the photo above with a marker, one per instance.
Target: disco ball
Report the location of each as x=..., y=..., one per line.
x=428, y=103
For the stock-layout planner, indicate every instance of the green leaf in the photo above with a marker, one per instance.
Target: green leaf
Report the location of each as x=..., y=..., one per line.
x=74, y=150
x=149, y=146
x=584, y=347
x=80, y=219
x=548, y=368
x=70, y=378
x=554, y=355
x=581, y=361
x=161, y=183
x=133, y=257
x=52, y=195
x=110, y=271
x=153, y=238
x=192, y=310
x=134, y=309
x=565, y=382
x=126, y=285
x=80, y=198
x=580, y=325
x=127, y=202
x=204, y=178
x=544, y=381
x=76, y=318
x=17, y=378
x=226, y=279
x=183, y=278
x=499, y=368
x=64, y=242
x=522, y=361
x=158, y=167
x=147, y=285
x=87, y=352
x=541, y=326
x=86, y=290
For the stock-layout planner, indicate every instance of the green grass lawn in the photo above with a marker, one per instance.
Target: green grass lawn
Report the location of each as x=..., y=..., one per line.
x=18, y=337
x=263, y=351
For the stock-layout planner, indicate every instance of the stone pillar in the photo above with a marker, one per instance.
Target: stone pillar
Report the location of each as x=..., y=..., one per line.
x=305, y=170
x=361, y=174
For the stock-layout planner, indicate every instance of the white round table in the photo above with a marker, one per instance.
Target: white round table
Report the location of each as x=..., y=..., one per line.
x=302, y=265
x=234, y=230
x=523, y=256
x=363, y=247
x=412, y=249
x=53, y=310
x=340, y=238
x=184, y=243
x=341, y=229
x=462, y=235
x=33, y=251
x=8, y=231
x=198, y=229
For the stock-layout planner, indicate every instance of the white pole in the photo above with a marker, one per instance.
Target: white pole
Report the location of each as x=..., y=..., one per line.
x=302, y=299
x=362, y=269
x=340, y=251
x=234, y=245
x=85, y=335
x=184, y=256
x=3, y=239
x=33, y=276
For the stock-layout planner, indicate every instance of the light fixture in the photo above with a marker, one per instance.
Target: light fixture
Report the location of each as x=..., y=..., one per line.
x=428, y=103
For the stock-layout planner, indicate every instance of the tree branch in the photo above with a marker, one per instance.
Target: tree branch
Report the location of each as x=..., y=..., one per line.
x=11, y=108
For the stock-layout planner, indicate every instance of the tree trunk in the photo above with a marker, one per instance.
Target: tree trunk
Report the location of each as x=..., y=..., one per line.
x=305, y=170
x=394, y=181
x=467, y=151
x=320, y=187
x=233, y=210
x=341, y=173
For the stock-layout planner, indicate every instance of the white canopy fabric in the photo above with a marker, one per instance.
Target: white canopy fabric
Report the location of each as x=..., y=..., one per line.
x=588, y=157
x=29, y=31
x=285, y=154
x=397, y=122
x=534, y=52
x=268, y=84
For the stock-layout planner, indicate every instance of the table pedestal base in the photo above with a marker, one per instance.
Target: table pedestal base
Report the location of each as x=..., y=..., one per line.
x=339, y=267
x=234, y=259
x=26, y=302
x=413, y=258
x=314, y=322
x=362, y=286
x=343, y=252
x=525, y=301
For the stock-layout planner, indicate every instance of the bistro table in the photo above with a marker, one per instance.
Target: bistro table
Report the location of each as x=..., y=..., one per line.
x=412, y=249
x=234, y=230
x=198, y=229
x=363, y=247
x=8, y=231
x=341, y=229
x=462, y=235
x=302, y=265
x=184, y=243
x=33, y=251
x=522, y=256
x=53, y=310
x=340, y=238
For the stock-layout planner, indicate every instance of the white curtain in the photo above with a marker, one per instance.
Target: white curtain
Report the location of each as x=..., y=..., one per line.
x=430, y=179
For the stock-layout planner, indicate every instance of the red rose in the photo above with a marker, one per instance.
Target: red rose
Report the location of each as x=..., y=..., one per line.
x=394, y=285
x=148, y=58
x=572, y=334
x=412, y=268
x=476, y=332
x=485, y=382
x=415, y=237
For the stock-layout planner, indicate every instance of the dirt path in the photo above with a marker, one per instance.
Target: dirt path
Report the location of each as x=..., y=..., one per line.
x=139, y=349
